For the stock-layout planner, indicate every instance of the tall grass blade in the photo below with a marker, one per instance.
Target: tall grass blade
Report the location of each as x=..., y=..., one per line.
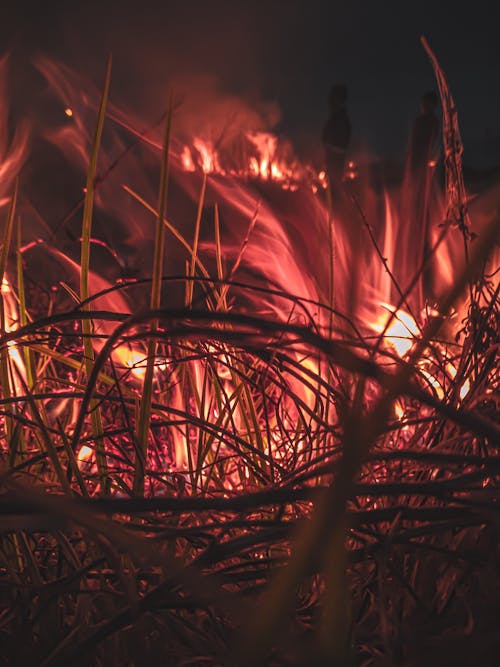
x=147, y=394
x=194, y=253
x=4, y=352
x=23, y=311
x=97, y=426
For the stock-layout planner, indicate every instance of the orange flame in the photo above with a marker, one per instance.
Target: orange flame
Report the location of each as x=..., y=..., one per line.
x=401, y=331
x=11, y=324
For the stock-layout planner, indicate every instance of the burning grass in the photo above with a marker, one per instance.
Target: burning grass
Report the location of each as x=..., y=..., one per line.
x=209, y=484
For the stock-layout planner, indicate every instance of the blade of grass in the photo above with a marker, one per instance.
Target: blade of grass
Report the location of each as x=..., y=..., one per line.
x=218, y=254
x=97, y=426
x=4, y=354
x=246, y=241
x=46, y=440
x=72, y=462
x=194, y=253
x=173, y=230
x=23, y=313
x=145, y=404
x=331, y=248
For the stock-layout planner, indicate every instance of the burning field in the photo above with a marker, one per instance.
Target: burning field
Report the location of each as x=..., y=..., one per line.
x=244, y=420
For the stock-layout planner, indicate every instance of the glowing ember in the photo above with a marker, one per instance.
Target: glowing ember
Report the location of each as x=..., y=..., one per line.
x=465, y=387
x=399, y=410
x=133, y=360
x=402, y=330
x=352, y=171
x=85, y=455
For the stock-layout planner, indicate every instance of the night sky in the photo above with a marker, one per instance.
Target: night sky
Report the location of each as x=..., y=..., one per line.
x=287, y=52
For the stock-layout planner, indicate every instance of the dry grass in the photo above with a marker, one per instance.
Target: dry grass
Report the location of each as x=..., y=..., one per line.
x=244, y=491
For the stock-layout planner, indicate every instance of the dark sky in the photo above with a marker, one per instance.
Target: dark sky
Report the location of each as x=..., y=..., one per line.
x=288, y=52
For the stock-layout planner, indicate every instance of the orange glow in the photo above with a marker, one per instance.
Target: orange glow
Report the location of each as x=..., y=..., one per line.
x=311, y=368
x=11, y=324
x=209, y=160
x=266, y=162
x=187, y=159
x=434, y=383
x=268, y=165
x=401, y=331
x=84, y=455
x=399, y=410
x=465, y=388
x=275, y=225
x=266, y=147
x=132, y=359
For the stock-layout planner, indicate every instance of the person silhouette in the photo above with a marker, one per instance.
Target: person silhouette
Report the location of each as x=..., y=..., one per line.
x=336, y=135
x=424, y=135
x=419, y=188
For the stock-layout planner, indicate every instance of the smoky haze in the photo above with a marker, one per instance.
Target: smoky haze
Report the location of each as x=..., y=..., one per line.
x=279, y=59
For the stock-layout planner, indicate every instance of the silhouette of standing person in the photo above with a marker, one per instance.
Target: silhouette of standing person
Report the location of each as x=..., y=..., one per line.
x=420, y=169
x=424, y=135
x=336, y=136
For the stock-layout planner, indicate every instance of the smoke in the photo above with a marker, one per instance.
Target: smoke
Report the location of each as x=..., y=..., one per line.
x=217, y=56
x=207, y=111
x=12, y=144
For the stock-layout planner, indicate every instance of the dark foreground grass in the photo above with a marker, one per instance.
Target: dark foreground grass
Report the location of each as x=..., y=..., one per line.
x=273, y=492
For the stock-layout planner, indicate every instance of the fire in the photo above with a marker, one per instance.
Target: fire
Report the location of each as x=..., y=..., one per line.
x=399, y=410
x=264, y=161
x=433, y=382
x=401, y=335
x=209, y=159
x=266, y=374
x=323, y=179
x=465, y=387
x=275, y=218
x=402, y=330
x=265, y=164
x=132, y=359
x=187, y=160
x=11, y=324
x=85, y=455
